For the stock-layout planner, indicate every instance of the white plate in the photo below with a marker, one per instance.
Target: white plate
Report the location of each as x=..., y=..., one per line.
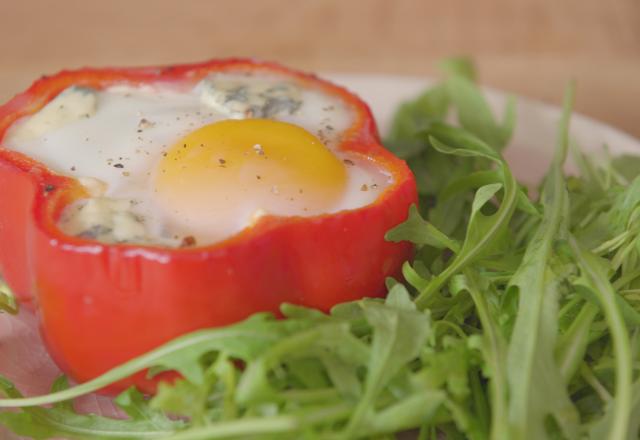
x=24, y=360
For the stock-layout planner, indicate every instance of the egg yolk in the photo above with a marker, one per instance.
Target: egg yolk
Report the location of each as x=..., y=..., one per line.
x=218, y=176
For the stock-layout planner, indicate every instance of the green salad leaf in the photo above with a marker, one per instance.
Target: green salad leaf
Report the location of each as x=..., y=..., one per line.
x=63, y=421
x=536, y=385
x=518, y=317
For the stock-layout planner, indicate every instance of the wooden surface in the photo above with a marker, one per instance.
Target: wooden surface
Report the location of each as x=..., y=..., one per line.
x=531, y=47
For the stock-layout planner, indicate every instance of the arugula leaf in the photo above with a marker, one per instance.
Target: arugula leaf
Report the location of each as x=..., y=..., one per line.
x=421, y=232
x=627, y=165
x=482, y=230
x=61, y=420
x=475, y=115
x=571, y=347
x=399, y=332
x=413, y=117
x=535, y=381
x=601, y=429
x=244, y=340
x=136, y=406
x=412, y=411
x=494, y=348
x=622, y=405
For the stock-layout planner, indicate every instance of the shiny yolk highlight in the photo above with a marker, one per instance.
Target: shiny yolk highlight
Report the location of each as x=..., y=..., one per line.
x=217, y=177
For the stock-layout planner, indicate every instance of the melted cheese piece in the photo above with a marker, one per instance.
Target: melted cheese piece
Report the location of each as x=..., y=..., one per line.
x=238, y=99
x=70, y=105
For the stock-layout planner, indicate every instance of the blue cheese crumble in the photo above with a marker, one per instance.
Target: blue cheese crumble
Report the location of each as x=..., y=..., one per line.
x=240, y=99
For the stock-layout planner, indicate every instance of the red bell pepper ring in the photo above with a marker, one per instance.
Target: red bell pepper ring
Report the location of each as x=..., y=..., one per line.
x=103, y=304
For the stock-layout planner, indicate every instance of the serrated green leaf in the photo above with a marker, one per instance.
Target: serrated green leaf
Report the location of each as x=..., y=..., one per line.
x=627, y=165
x=413, y=117
x=536, y=385
x=476, y=116
x=399, y=332
x=416, y=230
x=483, y=232
x=61, y=421
x=618, y=426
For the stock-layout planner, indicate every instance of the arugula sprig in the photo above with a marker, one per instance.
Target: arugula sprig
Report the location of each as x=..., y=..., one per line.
x=63, y=421
x=535, y=380
x=517, y=318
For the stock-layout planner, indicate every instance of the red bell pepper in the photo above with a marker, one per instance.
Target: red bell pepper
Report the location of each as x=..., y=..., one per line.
x=103, y=304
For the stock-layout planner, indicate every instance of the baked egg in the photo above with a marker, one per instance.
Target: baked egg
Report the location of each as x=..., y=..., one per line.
x=182, y=164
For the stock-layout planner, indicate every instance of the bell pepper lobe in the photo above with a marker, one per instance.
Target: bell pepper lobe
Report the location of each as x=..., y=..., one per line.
x=139, y=204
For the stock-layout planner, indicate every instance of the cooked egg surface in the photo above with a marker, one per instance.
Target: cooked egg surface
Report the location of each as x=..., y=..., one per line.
x=271, y=163
x=178, y=165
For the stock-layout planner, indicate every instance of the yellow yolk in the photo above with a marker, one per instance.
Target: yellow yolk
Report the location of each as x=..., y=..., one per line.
x=220, y=175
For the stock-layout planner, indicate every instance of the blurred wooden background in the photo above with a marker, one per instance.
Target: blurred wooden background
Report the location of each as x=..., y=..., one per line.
x=530, y=47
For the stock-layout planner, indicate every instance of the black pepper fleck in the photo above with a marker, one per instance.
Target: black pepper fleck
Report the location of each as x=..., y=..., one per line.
x=188, y=241
x=258, y=149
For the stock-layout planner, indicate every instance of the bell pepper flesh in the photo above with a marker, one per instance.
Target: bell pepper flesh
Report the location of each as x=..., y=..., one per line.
x=103, y=304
